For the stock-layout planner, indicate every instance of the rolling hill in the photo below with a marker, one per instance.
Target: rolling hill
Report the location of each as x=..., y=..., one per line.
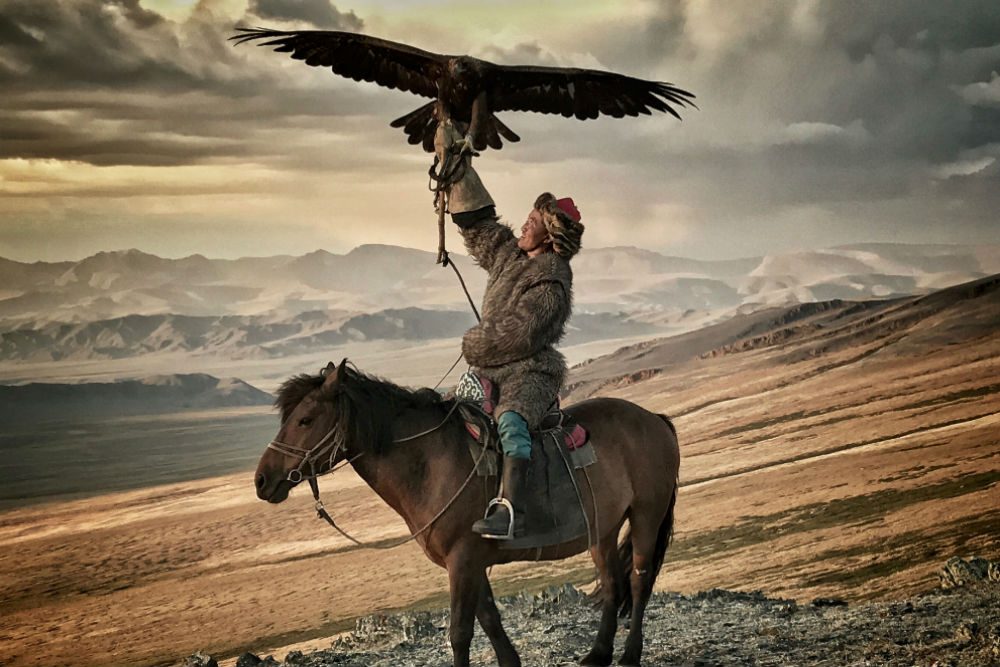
x=102, y=400
x=827, y=447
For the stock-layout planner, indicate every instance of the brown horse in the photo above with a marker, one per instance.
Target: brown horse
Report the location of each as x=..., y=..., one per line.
x=343, y=414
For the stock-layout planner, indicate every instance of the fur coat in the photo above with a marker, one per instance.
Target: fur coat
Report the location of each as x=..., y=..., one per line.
x=524, y=313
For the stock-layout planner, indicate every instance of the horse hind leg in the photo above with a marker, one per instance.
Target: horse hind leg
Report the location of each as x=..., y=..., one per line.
x=489, y=619
x=649, y=546
x=612, y=591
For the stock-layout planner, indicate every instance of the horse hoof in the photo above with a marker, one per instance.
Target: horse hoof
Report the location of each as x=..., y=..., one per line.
x=593, y=659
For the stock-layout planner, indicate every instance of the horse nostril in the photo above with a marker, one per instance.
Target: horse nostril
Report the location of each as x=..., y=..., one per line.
x=260, y=480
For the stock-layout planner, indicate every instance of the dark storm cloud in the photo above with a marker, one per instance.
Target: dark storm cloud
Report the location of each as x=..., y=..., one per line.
x=114, y=83
x=812, y=103
x=320, y=13
x=866, y=115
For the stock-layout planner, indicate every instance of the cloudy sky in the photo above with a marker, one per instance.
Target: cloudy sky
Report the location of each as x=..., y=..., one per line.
x=134, y=123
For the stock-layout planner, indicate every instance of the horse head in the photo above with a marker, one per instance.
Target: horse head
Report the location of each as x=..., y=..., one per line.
x=309, y=442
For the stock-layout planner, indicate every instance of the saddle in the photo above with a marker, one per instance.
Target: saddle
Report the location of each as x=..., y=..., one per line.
x=484, y=395
x=554, y=502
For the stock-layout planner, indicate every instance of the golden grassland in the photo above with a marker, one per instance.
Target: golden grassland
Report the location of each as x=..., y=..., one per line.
x=809, y=469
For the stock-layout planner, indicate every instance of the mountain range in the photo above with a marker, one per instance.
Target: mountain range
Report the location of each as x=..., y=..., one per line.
x=129, y=303
x=100, y=400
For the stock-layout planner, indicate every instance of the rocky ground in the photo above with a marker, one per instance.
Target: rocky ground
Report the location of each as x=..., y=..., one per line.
x=955, y=625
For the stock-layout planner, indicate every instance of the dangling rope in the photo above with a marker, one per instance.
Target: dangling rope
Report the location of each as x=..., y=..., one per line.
x=439, y=182
x=441, y=176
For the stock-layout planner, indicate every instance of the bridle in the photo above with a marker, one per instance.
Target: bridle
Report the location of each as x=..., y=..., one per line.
x=334, y=443
x=309, y=456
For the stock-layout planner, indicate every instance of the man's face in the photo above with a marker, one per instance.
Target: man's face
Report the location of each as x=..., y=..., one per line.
x=534, y=236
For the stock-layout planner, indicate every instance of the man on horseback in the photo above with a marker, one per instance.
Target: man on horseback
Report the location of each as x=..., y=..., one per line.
x=527, y=301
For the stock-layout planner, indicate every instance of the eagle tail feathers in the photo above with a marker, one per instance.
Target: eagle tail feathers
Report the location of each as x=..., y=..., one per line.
x=420, y=125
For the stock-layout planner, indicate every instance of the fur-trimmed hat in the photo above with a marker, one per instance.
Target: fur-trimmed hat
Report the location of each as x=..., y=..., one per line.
x=562, y=221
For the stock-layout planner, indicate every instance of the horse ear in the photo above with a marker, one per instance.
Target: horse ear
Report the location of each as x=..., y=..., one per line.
x=335, y=374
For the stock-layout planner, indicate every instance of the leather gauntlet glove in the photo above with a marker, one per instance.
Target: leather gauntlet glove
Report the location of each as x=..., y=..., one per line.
x=467, y=194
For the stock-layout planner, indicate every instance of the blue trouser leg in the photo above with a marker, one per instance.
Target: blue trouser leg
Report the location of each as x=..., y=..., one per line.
x=514, y=437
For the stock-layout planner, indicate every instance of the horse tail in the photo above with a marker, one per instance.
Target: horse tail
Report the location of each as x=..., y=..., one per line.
x=669, y=422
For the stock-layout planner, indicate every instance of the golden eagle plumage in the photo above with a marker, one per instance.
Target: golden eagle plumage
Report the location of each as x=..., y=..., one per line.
x=470, y=90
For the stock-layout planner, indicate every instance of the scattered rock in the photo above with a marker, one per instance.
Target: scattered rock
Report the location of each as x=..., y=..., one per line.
x=248, y=660
x=960, y=572
x=200, y=659
x=395, y=629
x=957, y=628
x=828, y=602
x=993, y=642
x=722, y=595
x=967, y=631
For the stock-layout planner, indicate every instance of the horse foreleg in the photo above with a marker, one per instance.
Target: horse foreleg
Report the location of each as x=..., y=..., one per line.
x=605, y=555
x=465, y=580
x=489, y=619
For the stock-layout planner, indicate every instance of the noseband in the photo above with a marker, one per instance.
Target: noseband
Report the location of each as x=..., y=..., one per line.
x=308, y=457
x=328, y=443
x=333, y=442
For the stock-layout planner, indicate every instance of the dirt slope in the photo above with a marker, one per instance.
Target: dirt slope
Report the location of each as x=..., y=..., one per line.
x=831, y=448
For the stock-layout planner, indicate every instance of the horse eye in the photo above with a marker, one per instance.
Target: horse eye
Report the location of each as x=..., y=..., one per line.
x=305, y=421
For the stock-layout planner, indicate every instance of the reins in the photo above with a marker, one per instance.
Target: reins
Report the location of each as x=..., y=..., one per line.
x=334, y=445
x=440, y=181
x=323, y=514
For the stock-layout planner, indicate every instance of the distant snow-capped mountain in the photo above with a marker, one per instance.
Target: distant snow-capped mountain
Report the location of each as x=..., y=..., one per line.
x=128, y=303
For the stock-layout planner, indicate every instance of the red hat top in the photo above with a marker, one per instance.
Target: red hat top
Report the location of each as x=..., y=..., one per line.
x=569, y=208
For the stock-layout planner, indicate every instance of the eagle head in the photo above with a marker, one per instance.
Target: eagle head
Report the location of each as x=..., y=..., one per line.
x=465, y=72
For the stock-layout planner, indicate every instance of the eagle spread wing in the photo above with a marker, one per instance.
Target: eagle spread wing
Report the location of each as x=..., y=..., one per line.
x=357, y=57
x=582, y=93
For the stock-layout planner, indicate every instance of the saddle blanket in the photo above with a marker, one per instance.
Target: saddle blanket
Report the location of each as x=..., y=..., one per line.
x=554, y=512
x=481, y=391
x=574, y=438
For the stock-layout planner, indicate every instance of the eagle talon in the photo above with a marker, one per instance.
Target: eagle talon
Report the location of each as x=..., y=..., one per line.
x=463, y=146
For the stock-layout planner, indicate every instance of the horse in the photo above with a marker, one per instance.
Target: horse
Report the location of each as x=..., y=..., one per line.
x=409, y=447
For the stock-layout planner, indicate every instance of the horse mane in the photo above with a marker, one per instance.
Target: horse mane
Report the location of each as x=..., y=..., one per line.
x=294, y=390
x=365, y=404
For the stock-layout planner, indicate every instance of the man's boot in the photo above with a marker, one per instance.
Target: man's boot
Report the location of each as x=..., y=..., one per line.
x=497, y=524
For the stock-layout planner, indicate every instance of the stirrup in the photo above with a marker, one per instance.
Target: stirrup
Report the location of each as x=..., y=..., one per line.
x=510, y=524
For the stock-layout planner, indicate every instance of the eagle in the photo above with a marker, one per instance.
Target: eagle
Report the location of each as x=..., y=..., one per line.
x=467, y=90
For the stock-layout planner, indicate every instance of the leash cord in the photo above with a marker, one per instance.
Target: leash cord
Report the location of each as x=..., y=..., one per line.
x=321, y=511
x=439, y=182
x=447, y=262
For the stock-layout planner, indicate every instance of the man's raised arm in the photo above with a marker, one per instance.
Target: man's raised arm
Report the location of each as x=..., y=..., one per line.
x=472, y=208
